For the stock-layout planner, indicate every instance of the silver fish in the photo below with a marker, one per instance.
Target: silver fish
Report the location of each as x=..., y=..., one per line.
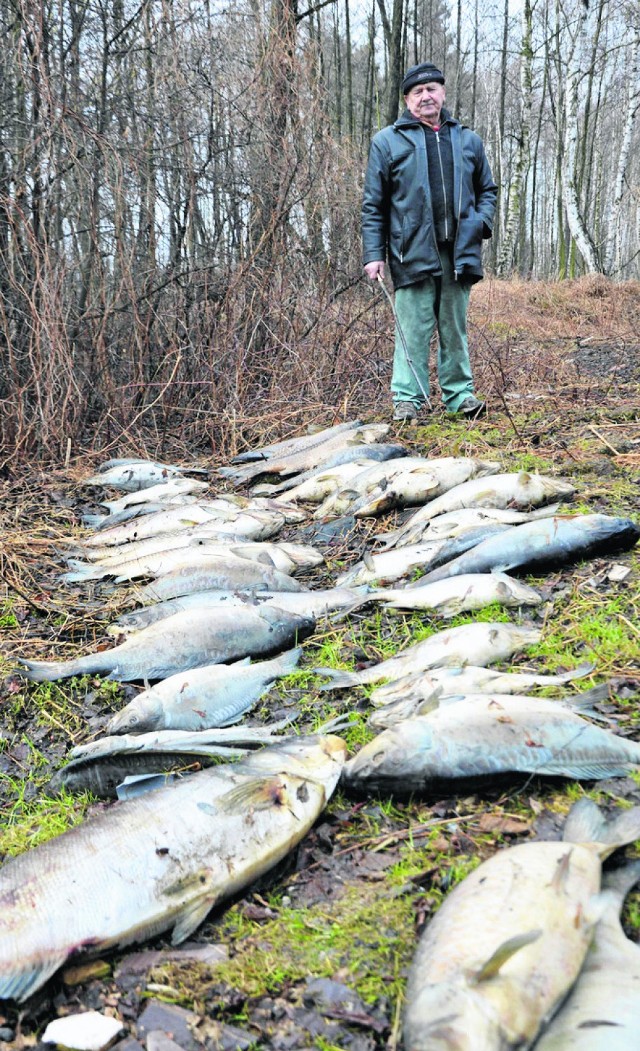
x=310, y=457
x=214, y=695
x=487, y=736
x=602, y=1011
x=459, y=594
x=185, y=640
x=375, y=453
x=547, y=542
x=131, y=475
x=416, y=486
x=223, y=572
x=521, y=491
x=317, y=603
x=475, y=643
x=508, y=943
x=296, y=444
x=452, y=523
x=445, y=682
x=387, y=566
x=171, y=519
x=159, y=862
x=163, y=491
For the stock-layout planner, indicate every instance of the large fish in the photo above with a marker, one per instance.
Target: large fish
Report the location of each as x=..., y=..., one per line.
x=445, y=682
x=521, y=491
x=548, y=542
x=602, y=1011
x=310, y=457
x=103, y=766
x=295, y=444
x=408, y=480
x=168, y=520
x=508, y=943
x=473, y=643
x=459, y=594
x=131, y=475
x=416, y=485
x=452, y=523
x=214, y=695
x=177, y=486
x=160, y=862
x=485, y=737
x=387, y=566
x=201, y=550
x=186, y=640
x=220, y=572
x=317, y=603
x=375, y=452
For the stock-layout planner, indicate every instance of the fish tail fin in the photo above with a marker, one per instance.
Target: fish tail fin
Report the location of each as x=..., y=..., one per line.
x=93, y=521
x=339, y=679
x=587, y=823
x=41, y=671
x=21, y=983
x=586, y=668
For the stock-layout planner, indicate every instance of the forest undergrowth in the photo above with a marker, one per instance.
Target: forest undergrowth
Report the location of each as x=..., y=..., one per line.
x=560, y=368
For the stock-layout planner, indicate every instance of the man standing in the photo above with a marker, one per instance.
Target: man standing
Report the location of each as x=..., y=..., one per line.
x=429, y=201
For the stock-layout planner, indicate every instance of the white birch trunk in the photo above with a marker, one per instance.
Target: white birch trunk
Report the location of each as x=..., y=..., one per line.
x=575, y=219
x=613, y=219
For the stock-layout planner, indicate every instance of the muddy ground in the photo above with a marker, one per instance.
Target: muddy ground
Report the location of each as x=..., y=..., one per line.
x=320, y=949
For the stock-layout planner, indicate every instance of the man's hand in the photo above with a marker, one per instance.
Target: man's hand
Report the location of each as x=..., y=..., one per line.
x=373, y=269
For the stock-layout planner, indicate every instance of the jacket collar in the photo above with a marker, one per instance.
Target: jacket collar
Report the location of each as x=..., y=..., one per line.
x=407, y=120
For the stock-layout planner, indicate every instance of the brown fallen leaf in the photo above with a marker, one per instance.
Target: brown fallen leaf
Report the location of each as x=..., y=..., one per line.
x=503, y=823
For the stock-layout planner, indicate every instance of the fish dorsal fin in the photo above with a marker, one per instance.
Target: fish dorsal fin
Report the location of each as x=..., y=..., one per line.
x=503, y=953
x=524, y=478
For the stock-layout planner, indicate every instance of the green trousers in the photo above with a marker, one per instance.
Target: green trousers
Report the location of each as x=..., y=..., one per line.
x=442, y=302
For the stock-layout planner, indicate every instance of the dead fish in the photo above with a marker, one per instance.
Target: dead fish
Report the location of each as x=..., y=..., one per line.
x=452, y=523
x=418, y=485
x=177, y=486
x=131, y=475
x=185, y=640
x=296, y=444
x=484, y=737
x=387, y=566
x=521, y=491
x=168, y=520
x=473, y=591
x=227, y=573
x=411, y=706
x=444, y=682
x=476, y=643
x=508, y=942
x=375, y=452
x=199, y=550
x=310, y=457
x=159, y=862
x=550, y=541
x=95, y=521
x=214, y=695
x=602, y=1011
x=317, y=603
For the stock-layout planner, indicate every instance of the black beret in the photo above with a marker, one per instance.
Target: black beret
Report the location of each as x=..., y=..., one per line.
x=421, y=74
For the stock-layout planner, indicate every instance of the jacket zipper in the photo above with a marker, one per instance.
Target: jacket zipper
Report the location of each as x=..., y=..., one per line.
x=444, y=188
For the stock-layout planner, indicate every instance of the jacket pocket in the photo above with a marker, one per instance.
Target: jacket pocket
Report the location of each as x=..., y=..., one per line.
x=470, y=236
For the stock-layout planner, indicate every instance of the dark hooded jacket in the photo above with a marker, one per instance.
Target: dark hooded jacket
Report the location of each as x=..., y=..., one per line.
x=397, y=218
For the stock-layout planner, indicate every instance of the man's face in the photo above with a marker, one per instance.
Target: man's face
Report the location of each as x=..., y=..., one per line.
x=425, y=101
